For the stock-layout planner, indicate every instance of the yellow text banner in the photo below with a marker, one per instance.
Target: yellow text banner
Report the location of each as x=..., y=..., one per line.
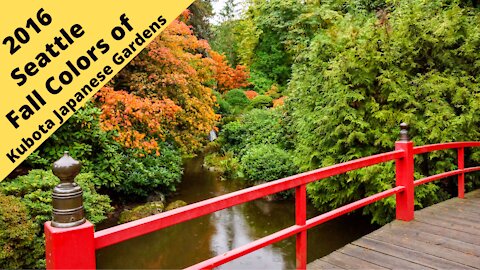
x=55, y=55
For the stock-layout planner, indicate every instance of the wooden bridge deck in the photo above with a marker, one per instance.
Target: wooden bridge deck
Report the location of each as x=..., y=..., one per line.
x=443, y=236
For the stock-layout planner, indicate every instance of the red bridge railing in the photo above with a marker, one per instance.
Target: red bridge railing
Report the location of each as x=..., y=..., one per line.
x=75, y=247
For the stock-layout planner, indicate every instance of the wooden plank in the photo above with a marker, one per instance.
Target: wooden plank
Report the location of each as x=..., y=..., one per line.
x=453, y=220
x=438, y=240
x=462, y=203
x=408, y=241
x=320, y=264
x=447, y=224
x=467, y=209
x=447, y=232
x=469, y=213
x=408, y=254
x=378, y=258
x=459, y=203
x=473, y=194
x=469, y=219
x=348, y=262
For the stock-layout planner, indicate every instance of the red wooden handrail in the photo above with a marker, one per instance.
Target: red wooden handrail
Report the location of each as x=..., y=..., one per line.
x=443, y=146
x=153, y=223
x=404, y=191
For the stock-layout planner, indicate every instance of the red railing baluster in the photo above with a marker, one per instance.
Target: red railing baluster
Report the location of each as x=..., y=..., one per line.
x=461, y=176
x=404, y=177
x=301, y=219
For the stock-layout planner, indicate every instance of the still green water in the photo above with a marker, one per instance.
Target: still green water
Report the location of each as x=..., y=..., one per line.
x=191, y=242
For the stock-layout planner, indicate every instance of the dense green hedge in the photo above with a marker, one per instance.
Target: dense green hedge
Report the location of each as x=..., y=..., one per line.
x=417, y=62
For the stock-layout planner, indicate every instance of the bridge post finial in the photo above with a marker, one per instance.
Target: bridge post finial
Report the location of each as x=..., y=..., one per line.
x=69, y=237
x=404, y=132
x=67, y=197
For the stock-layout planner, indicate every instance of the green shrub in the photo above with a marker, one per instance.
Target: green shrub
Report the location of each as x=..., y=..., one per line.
x=141, y=176
x=115, y=169
x=237, y=98
x=82, y=136
x=267, y=162
x=35, y=190
x=260, y=81
x=232, y=136
x=227, y=165
x=21, y=247
x=254, y=127
x=364, y=75
x=262, y=102
x=222, y=107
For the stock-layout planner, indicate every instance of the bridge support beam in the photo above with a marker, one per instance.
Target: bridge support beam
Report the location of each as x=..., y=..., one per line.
x=404, y=177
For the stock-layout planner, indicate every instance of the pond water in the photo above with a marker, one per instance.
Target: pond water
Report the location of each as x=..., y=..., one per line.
x=191, y=242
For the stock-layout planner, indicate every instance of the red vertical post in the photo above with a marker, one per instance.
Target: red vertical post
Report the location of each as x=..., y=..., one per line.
x=461, y=176
x=70, y=248
x=404, y=177
x=301, y=219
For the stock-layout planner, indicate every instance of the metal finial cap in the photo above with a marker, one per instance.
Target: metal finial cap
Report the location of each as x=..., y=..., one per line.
x=67, y=197
x=404, y=131
x=66, y=168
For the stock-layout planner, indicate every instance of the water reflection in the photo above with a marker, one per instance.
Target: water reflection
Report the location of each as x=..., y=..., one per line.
x=197, y=240
x=233, y=229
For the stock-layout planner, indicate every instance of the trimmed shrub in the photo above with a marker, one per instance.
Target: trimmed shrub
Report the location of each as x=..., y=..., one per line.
x=262, y=102
x=237, y=98
x=255, y=127
x=263, y=163
x=141, y=176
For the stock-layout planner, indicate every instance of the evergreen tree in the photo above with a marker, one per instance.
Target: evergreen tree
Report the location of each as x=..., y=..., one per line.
x=367, y=72
x=201, y=12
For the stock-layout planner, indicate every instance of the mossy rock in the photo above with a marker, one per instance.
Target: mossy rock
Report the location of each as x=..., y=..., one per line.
x=175, y=204
x=141, y=211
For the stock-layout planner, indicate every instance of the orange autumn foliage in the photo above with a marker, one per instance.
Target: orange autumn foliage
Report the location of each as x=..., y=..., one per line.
x=139, y=122
x=251, y=94
x=181, y=71
x=279, y=102
x=228, y=78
